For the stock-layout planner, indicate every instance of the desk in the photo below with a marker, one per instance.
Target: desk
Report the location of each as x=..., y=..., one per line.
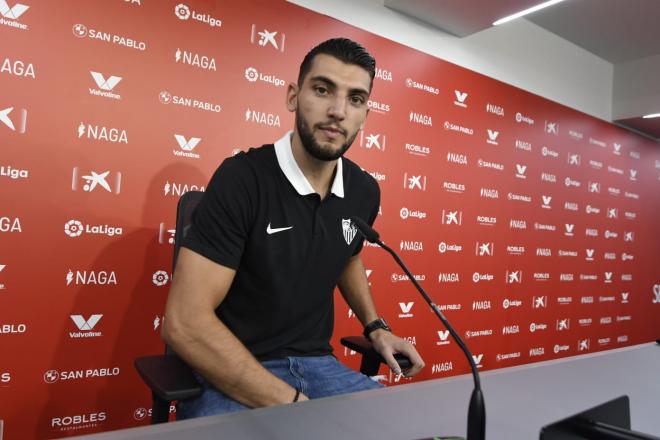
x=519, y=401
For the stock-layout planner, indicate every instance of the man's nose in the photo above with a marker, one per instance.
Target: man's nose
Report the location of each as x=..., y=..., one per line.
x=338, y=107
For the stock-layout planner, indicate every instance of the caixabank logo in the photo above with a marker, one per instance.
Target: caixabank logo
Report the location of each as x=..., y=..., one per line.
x=96, y=181
x=13, y=119
x=267, y=38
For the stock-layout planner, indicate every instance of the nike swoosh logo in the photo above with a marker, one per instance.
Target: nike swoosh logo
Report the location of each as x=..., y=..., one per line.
x=270, y=230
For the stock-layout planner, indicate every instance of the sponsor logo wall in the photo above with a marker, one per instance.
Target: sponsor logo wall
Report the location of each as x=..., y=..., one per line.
x=532, y=226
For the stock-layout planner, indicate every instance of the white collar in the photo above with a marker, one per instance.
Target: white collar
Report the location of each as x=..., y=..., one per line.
x=292, y=171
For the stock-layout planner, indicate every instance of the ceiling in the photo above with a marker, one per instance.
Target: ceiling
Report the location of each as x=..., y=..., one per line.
x=618, y=31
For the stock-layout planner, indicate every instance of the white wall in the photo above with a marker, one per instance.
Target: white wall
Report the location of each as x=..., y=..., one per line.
x=519, y=53
x=637, y=88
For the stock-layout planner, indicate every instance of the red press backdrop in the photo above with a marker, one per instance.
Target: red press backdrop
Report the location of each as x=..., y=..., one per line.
x=532, y=225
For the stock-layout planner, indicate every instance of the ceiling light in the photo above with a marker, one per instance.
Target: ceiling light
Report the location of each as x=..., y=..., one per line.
x=526, y=11
x=652, y=115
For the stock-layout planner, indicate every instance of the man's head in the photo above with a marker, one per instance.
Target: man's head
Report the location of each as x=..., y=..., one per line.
x=330, y=98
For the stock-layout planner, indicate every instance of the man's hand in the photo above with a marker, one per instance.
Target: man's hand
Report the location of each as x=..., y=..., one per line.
x=387, y=344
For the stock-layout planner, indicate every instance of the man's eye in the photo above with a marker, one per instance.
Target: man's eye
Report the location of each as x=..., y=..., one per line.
x=321, y=90
x=357, y=99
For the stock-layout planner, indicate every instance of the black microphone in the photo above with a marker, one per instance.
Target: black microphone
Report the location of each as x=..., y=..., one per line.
x=476, y=429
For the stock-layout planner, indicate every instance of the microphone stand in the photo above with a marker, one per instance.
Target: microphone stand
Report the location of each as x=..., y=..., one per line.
x=476, y=429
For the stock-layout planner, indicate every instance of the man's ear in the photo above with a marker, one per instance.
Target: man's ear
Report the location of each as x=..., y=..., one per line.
x=292, y=97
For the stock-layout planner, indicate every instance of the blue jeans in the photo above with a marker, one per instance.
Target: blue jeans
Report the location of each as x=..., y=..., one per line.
x=314, y=376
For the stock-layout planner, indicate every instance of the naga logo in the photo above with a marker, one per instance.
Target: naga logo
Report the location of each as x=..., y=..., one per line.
x=18, y=68
x=442, y=367
x=75, y=228
x=195, y=59
x=86, y=326
x=489, y=193
x=405, y=213
x=252, y=75
x=81, y=31
x=383, y=74
x=520, y=118
x=102, y=133
x=520, y=171
x=160, y=278
x=11, y=15
x=415, y=246
x=481, y=305
x=495, y=109
x=373, y=140
x=546, y=202
x=421, y=119
x=166, y=97
x=452, y=217
x=95, y=180
x=537, y=351
x=266, y=38
x=419, y=150
x=568, y=229
x=413, y=182
x=9, y=123
x=458, y=188
x=105, y=85
x=547, y=177
x=98, y=278
x=460, y=159
x=405, y=309
x=492, y=137
x=187, y=146
x=574, y=159
x=183, y=12
x=460, y=98
x=510, y=329
x=484, y=249
x=448, y=277
x=523, y=145
x=178, y=189
x=257, y=117
x=517, y=224
x=563, y=324
x=419, y=86
x=540, y=302
x=543, y=252
x=513, y=277
x=552, y=128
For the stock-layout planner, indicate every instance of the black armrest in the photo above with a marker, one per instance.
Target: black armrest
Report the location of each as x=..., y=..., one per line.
x=371, y=359
x=168, y=377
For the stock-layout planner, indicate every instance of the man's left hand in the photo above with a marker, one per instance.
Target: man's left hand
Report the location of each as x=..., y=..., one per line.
x=387, y=344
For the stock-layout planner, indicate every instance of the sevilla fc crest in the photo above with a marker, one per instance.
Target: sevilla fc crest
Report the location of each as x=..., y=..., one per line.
x=349, y=230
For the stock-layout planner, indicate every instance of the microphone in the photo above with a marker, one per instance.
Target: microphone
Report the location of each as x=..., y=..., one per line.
x=476, y=429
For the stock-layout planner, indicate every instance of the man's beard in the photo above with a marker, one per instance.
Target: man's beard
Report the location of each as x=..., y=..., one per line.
x=312, y=146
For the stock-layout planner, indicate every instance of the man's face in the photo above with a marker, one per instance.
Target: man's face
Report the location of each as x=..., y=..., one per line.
x=331, y=106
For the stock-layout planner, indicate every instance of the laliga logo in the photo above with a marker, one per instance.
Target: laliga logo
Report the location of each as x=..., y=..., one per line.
x=73, y=228
x=160, y=278
x=182, y=11
x=251, y=74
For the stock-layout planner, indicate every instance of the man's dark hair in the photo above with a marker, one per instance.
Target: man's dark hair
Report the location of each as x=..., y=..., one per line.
x=345, y=50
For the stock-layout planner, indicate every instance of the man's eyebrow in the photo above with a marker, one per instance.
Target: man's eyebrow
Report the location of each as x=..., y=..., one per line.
x=331, y=84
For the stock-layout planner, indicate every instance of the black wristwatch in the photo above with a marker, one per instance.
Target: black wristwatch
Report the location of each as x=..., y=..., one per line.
x=375, y=325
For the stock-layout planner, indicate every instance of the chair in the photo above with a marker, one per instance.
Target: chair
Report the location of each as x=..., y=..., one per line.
x=170, y=379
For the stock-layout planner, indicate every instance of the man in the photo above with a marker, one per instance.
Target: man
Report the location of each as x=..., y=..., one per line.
x=251, y=304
